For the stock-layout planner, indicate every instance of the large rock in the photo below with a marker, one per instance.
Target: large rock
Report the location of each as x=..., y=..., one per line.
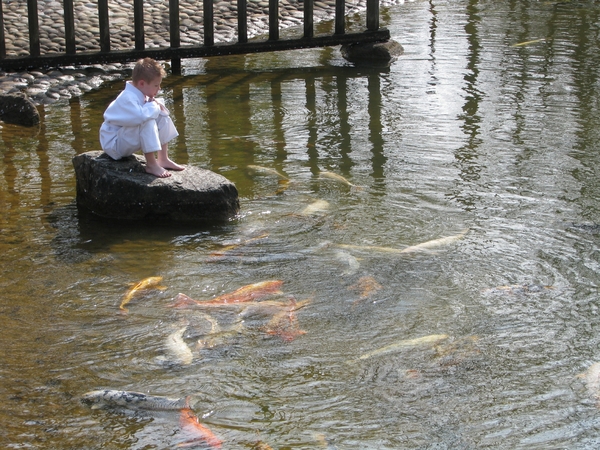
x=123, y=190
x=372, y=53
x=18, y=109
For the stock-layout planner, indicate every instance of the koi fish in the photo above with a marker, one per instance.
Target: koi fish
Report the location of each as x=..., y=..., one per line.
x=260, y=445
x=431, y=339
x=266, y=171
x=244, y=294
x=366, y=286
x=592, y=380
x=178, y=349
x=351, y=261
x=517, y=289
x=285, y=323
x=370, y=248
x=146, y=283
x=423, y=246
x=227, y=248
x=291, y=305
x=110, y=398
x=338, y=178
x=435, y=243
x=191, y=426
x=535, y=41
x=316, y=207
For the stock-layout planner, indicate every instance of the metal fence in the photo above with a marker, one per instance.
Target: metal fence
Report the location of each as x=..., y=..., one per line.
x=70, y=54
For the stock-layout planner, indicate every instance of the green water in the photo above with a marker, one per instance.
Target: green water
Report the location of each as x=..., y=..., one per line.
x=465, y=131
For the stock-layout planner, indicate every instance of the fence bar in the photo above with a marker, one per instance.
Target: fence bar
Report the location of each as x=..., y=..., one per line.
x=69, y=27
x=2, y=37
x=209, y=25
x=340, y=19
x=242, y=14
x=34, y=28
x=372, y=15
x=309, y=30
x=174, y=36
x=273, y=20
x=103, y=25
x=138, y=24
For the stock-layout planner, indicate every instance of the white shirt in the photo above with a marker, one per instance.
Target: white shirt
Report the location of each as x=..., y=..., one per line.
x=129, y=109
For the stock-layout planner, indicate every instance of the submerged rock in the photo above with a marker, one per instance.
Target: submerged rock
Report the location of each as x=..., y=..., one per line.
x=375, y=53
x=16, y=108
x=123, y=190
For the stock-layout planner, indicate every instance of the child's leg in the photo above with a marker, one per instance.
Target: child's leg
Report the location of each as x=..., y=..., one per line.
x=166, y=132
x=150, y=144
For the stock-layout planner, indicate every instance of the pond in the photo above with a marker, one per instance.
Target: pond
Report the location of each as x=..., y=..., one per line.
x=480, y=141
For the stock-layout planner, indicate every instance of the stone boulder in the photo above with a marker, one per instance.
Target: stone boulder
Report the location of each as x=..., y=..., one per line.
x=123, y=190
x=373, y=53
x=18, y=109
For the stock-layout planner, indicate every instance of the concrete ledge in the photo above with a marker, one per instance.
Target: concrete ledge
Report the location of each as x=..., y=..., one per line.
x=122, y=190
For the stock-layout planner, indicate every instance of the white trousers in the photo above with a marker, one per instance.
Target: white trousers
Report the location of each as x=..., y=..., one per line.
x=148, y=137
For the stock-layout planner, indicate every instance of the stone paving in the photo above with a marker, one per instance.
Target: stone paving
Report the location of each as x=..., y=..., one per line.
x=54, y=85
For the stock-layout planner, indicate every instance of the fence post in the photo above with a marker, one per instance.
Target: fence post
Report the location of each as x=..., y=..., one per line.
x=372, y=15
x=138, y=24
x=209, y=26
x=242, y=13
x=309, y=30
x=2, y=37
x=34, y=28
x=103, y=25
x=174, y=37
x=340, y=19
x=273, y=20
x=69, y=27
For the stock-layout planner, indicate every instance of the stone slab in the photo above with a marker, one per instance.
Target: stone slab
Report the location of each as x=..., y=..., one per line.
x=122, y=190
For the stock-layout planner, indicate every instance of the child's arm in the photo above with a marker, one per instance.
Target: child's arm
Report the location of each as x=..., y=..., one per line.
x=126, y=111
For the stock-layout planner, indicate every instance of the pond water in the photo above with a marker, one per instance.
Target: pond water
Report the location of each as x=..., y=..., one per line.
x=488, y=123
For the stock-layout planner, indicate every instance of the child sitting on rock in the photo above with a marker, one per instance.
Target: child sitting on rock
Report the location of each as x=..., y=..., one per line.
x=136, y=120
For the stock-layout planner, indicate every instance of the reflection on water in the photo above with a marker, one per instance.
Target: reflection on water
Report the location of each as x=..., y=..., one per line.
x=466, y=130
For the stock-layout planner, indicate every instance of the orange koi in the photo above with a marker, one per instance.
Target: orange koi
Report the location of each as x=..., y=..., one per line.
x=242, y=295
x=146, y=283
x=285, y=323
x=366, y=286
x=189, y=424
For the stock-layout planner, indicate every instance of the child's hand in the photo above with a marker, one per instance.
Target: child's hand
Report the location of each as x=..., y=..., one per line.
x=161, y=103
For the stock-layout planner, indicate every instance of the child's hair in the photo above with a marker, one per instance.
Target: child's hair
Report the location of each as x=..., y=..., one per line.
x=147, y=69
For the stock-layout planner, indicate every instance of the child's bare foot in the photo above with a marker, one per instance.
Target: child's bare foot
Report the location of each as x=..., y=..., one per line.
x=158, y=171
x=170, y=165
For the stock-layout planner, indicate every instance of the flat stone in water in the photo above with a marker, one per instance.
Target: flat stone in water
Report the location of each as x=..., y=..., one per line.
x=123, y=190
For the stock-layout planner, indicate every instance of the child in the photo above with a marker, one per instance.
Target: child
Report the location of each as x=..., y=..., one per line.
x=136, y=120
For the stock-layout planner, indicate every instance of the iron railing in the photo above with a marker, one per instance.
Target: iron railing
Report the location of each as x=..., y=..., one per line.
x=175, y=51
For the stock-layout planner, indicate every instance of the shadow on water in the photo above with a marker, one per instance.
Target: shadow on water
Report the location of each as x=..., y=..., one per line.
x=80, y=234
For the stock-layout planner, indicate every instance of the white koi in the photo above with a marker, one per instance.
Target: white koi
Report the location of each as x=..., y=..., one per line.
x=266, y=171
x=178, y=349
x=340, y=179
x=316, y=207
x=435, y=243
x=431, y=339
x=111, y=398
